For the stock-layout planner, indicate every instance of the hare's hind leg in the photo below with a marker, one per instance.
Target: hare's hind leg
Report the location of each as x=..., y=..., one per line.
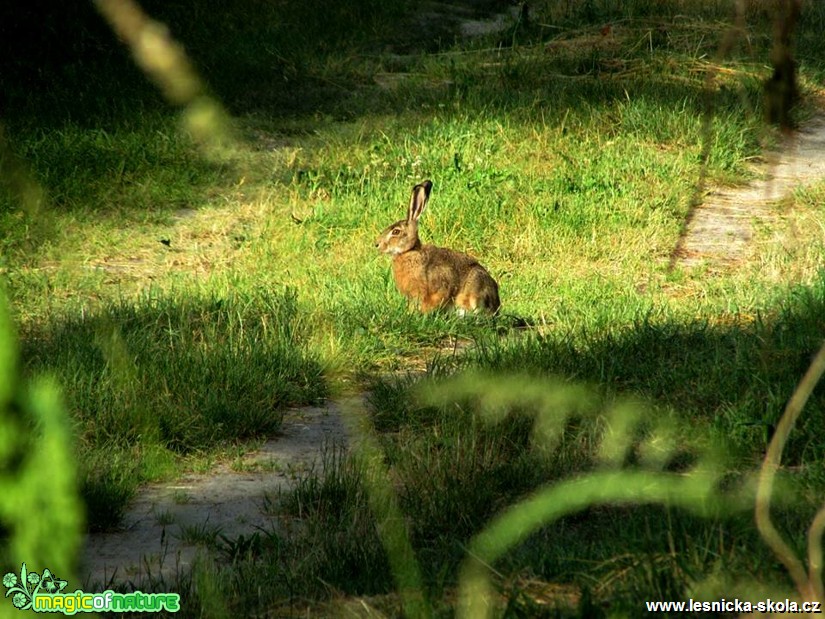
x=465, y=301
x=435, y=300
x=480, y=292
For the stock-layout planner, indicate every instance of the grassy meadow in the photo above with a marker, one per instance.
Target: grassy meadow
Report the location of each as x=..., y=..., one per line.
x=184, y=298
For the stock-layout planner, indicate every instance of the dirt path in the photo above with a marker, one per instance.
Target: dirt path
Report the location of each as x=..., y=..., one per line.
x=720, y=231
x=163, y=526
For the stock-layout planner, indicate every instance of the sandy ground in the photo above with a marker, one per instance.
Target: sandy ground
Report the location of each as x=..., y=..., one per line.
x=720, y=231
x=233, y=502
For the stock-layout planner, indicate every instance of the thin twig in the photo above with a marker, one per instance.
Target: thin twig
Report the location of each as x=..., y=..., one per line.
x=815, y=555
x=770, y=465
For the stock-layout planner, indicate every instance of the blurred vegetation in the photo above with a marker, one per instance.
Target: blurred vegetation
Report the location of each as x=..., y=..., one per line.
x=41, y=517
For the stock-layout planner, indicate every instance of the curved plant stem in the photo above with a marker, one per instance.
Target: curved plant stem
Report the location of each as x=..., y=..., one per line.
x=476, y=599
x=815, y=554
x=767, y=475
x=392, y=528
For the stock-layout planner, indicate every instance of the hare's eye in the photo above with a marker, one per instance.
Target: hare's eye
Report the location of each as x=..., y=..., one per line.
x=395, y=232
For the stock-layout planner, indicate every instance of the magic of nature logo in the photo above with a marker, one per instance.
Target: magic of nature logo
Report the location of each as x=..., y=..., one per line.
x=43, y=593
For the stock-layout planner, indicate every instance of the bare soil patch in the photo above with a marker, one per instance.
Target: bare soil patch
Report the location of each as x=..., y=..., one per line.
x=234, y=499
x=719, y=232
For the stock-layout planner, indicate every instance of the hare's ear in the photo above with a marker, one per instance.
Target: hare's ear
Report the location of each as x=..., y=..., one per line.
x=420, y=195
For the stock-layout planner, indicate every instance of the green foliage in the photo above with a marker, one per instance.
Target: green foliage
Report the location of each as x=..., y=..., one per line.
x=499, y=475
x=109, y=477
x=118, y=171
x=40, y=514
x=335, y=499
x=668, y=464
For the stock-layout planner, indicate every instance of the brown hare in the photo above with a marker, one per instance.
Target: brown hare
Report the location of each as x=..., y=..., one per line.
x=433, y=276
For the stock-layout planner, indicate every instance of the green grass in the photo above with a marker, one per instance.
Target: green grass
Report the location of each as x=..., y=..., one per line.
x=173, y=374
x=185, y=301
x=202, y=534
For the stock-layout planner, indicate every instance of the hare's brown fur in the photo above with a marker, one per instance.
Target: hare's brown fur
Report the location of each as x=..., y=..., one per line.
x=435, y=276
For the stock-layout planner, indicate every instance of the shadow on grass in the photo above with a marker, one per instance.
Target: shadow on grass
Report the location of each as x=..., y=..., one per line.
x=720, y=387
x=136, y=170
x=299, y=59
x=173, y=374
x=99, y=138
x=250, y=52
x=734, y=375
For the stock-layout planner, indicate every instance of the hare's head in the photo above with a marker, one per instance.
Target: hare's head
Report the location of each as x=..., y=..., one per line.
x=402, y=236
